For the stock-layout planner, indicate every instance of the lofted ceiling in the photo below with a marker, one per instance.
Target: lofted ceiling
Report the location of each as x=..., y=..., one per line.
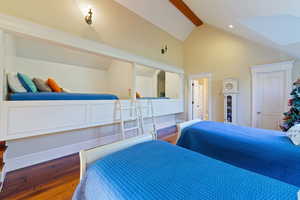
x=275, y=23
x=162, y=14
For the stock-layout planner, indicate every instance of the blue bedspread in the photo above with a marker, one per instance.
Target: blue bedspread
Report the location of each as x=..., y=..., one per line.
x=267, y=152
x=46, y=96
x=161, y=171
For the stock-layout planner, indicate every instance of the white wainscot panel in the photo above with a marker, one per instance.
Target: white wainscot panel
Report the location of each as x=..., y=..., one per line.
x=21, y=119
x=102, y=113
x=28, y=120
x=162, y=107
x=167, y=107
x=109, y=112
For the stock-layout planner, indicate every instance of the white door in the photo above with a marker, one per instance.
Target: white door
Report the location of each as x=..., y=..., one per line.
x=270, y=99
x=196, y=100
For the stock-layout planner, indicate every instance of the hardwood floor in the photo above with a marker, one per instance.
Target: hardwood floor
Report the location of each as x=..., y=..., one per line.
x=60, y=189
x=53, y=180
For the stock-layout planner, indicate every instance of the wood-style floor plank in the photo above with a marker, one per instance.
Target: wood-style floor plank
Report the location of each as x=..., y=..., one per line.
x=60, y=189
x=31, y=178
x=171, y=138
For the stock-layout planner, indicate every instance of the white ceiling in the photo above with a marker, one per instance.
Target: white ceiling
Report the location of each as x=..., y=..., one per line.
x=268, y=26
x=275, y=23
x=162, y=14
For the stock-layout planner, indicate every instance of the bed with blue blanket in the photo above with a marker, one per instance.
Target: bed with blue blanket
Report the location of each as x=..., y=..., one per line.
x=160, y=171
x=50, y=96
x=267, y=152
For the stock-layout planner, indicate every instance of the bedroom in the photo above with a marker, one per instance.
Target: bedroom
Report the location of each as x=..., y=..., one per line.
x=136, y=54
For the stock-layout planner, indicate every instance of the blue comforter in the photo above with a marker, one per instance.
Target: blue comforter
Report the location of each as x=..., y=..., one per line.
x=161, y=171
x=267, y=152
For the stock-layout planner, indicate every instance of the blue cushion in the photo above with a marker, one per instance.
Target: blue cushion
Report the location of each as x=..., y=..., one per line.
x=27, y=83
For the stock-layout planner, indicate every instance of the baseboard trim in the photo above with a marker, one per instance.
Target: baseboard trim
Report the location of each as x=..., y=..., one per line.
x=12, y=164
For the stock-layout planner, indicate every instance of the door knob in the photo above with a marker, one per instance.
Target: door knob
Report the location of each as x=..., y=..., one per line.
x=258, y=113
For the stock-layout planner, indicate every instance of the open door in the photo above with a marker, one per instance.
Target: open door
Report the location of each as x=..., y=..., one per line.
x=200, y=99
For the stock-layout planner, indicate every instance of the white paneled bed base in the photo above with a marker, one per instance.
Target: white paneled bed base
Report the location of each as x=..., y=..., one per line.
x=21, y=119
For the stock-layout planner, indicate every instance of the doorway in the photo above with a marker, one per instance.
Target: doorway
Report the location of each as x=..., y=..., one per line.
x=271, y=85
x=200, y=100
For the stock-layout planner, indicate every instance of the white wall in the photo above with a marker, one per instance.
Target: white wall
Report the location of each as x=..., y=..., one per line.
x=173, y=85
x=42, y=50
x=120, y=78
x=145, y=86
x=146, y=81
x=114, y=25
x=76, y=78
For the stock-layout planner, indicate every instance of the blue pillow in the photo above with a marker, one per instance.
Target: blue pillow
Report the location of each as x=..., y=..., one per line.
x=27, y=83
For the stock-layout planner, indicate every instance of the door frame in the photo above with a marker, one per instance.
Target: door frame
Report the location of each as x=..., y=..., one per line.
x=192, y=77
x=275, y=67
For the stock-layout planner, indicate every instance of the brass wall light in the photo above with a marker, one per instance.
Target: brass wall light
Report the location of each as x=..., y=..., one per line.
x=89, y=17
x=164, y=50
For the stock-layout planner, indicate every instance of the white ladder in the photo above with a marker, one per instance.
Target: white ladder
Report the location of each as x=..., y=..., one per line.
x=136, y=113
x=134, y=116
x=150, y=112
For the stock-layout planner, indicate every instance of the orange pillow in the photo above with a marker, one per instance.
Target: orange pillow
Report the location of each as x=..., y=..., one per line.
x=53, y=85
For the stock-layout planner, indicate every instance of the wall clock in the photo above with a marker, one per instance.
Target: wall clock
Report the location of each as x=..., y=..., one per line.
x=230, y=85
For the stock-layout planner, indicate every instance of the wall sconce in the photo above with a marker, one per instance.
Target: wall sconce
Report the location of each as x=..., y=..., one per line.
x=164, y=50
x=89, y=17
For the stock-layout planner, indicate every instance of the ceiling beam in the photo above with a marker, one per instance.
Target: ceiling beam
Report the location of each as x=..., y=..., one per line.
x=186, y=11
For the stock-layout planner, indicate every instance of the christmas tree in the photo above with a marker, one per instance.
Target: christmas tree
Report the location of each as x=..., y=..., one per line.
x=292, y=117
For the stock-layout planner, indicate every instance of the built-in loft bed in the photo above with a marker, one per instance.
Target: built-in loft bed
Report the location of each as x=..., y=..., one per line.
x=42, y=52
